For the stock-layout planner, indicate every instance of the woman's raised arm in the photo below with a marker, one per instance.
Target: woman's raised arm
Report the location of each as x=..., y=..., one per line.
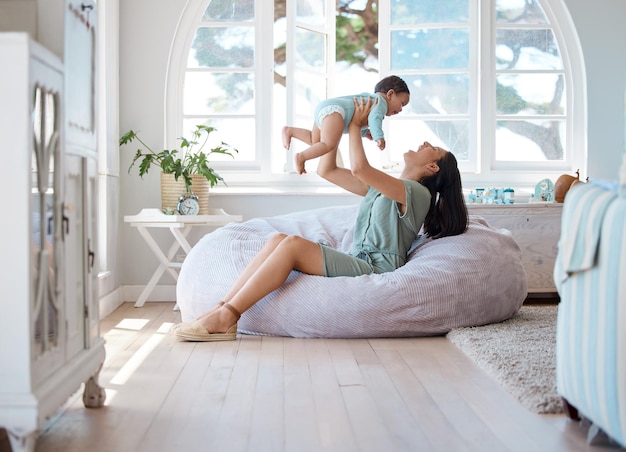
x=389, y=186
x=342, y=177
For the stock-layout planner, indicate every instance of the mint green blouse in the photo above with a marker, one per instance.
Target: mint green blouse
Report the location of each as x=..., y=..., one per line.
x=383, y=235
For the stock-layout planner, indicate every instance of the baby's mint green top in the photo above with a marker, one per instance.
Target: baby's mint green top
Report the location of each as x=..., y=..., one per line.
x=383, y=235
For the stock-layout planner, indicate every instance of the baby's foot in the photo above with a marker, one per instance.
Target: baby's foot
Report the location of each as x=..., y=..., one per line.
x=299, y=160
x=287, y=134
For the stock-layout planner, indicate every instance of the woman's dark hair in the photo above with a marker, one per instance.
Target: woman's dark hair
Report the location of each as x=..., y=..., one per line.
x=448, y=213
x=392, y=82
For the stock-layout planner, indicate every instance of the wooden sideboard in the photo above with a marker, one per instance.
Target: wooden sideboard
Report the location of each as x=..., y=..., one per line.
x=536, y=227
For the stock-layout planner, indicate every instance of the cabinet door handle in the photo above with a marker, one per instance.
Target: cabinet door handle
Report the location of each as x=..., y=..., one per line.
x=65, y=220
x=90, y=256
x=64, y=231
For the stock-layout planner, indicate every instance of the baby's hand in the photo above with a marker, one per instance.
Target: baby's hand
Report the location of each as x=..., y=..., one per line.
x=381, y=144
x=368, y=135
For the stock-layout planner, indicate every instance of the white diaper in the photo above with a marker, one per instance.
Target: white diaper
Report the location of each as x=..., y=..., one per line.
x=328, y=110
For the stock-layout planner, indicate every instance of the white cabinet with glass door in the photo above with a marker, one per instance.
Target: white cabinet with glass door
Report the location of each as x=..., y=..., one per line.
x=49, y=338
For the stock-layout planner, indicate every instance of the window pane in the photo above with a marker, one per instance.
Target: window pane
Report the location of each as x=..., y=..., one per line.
x=530, y=94
x=452, y=135
x=519, y=12
x=311, y=11
x=530, y=140
x=309, y=91
x=438, y=94
x=310, y=49
x=237, y=132
x=527, y=50
x=280, y=48
x=446, y=48
x=229, y=11
x=218, y=93
x=429, y=11
x=222, y=47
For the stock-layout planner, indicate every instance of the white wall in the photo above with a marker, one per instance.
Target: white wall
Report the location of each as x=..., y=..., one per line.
x=18, y=15
x=146, y=32
x=602, y=36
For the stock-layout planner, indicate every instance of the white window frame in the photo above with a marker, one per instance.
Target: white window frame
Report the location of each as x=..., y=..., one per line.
x=385, y=30
x=486, y=171
x=107, y=96
x=526, y=174
x=327, y=28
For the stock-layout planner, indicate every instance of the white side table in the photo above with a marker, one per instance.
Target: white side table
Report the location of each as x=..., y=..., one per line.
x=179, y=226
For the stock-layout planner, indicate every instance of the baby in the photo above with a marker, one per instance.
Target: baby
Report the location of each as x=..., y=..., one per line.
x=332, y=117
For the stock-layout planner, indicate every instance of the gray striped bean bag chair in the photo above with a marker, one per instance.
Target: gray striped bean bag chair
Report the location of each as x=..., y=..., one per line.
x=467, y=280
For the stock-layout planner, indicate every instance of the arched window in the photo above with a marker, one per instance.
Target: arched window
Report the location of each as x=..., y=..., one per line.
x=492, y=81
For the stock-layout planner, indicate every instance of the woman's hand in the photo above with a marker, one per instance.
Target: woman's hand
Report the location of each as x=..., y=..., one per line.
x=362, y=108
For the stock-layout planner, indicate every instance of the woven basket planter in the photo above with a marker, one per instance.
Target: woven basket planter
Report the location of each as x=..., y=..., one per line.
x=171, y=190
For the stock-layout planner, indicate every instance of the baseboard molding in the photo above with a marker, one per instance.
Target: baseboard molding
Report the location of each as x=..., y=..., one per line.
x=162, y=293
x=124, y=294
x=110, y=302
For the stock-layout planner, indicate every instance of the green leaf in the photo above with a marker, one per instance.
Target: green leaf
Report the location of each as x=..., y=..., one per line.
x=206, y=129
x=144, y=166
x=127, y=137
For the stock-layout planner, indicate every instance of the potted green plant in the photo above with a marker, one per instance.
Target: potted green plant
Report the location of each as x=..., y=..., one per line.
x=189, y=164
x=181, y=163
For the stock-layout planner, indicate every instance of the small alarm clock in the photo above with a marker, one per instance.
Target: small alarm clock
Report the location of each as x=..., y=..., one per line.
x=188, y=205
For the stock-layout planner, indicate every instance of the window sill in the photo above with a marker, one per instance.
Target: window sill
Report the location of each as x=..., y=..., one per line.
x=285, y=190
x=522, y=196
x=242, y=183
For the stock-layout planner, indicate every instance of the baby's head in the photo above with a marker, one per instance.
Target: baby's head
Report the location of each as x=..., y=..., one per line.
x=396, y=93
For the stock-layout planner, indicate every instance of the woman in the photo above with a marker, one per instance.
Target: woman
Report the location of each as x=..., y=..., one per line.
x=427, y=193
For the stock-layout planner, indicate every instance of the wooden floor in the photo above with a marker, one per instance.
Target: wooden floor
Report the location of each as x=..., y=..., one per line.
x=285, y=394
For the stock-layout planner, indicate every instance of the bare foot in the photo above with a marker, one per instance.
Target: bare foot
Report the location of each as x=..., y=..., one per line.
x=287, y=134
x=299, y=160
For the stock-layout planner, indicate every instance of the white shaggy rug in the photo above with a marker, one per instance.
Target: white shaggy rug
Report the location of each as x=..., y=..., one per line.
x=520, y=353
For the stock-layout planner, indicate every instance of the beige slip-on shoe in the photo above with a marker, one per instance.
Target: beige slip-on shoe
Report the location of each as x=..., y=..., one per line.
x=194, y=331
x=173, y=328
